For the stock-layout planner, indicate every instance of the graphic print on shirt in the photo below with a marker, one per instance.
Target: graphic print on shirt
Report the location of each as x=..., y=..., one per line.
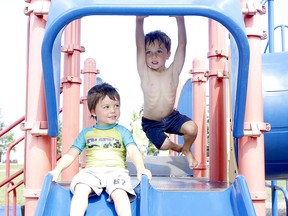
x=103, y=142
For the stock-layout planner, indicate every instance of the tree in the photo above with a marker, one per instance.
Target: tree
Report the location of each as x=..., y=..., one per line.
x=5, y=140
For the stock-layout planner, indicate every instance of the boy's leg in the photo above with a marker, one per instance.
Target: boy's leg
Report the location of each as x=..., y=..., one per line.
x=79, y=201
x=168, y=144
x=189, y=129
x=122, y=202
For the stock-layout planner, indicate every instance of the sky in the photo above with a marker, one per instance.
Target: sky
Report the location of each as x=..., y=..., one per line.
x=110, y=41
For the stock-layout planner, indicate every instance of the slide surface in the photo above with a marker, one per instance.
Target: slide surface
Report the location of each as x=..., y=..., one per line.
x=170, y=193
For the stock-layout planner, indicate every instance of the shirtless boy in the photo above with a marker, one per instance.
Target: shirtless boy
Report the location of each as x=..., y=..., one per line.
x=159, y=85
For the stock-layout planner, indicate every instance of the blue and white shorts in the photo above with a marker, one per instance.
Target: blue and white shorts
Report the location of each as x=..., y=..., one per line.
x=105, y=178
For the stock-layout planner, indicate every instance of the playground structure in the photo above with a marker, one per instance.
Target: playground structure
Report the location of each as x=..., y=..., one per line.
x=248, y=117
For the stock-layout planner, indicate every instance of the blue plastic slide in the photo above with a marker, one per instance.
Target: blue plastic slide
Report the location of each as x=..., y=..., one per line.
x=171, y=192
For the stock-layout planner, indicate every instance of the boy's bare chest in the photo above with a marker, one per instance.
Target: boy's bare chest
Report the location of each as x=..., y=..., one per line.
x=159, y=82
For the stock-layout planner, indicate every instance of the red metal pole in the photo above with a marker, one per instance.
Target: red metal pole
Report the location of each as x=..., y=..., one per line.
x=199, y=114
x=37, y=144
x=71, y=93
x=89, y=80
x=217, y=111
x=251, y=147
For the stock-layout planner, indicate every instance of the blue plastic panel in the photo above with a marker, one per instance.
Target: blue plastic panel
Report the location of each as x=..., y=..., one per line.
x=185, y=103
x=275, y=97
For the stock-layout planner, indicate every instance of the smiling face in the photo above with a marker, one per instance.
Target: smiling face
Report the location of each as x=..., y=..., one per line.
x=156, y=55
x=107, y=111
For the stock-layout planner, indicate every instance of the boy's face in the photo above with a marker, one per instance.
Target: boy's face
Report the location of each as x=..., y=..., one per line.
x=156, y=55
x=107, y=111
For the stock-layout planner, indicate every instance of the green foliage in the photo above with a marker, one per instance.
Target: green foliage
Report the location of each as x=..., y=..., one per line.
x=152, y=150
x=5, y=140
x=134, y=117
x=59, y=139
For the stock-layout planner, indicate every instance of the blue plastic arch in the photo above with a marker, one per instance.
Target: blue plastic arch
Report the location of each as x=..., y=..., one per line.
x=226, y=12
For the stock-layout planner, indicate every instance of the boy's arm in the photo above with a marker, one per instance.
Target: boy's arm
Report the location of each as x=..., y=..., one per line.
x=64, y=162
x=140, y=43
x=180, y=53
x=137, y=160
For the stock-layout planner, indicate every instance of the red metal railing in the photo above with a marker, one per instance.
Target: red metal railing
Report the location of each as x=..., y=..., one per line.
x=9, y=180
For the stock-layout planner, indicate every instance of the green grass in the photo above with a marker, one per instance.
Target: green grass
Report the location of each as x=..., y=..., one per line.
x=20, y=198
x=280, y=195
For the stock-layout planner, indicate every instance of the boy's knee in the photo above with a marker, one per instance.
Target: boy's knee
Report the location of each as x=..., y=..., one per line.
x=190, y=128
x=82, y=190
x=195, y=128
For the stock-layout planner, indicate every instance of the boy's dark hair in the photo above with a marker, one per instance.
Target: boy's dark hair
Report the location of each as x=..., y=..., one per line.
x=100, y=92
x=160, y=36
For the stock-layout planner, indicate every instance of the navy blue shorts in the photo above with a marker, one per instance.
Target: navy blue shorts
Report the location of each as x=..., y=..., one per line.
x=155, y=130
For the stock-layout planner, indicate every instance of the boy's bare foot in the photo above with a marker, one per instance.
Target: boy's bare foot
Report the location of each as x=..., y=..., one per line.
x=193, y=163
